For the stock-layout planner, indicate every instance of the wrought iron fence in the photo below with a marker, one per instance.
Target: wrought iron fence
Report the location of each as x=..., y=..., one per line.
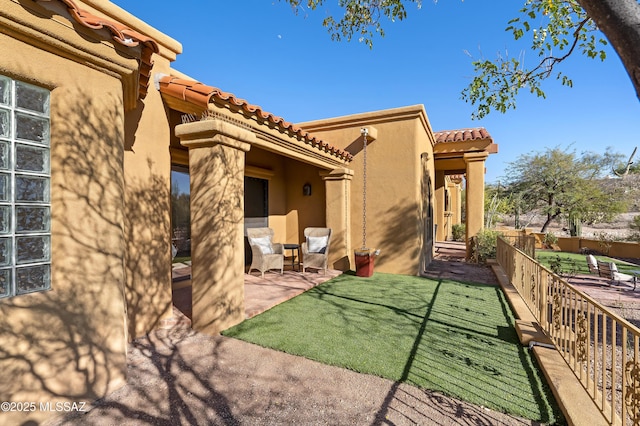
x=601, y=348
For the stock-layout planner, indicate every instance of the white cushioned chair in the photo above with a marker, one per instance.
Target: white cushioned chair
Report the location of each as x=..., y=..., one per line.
x=315, y=250
x=609, y=270
x=265, y=253
x=593, y=264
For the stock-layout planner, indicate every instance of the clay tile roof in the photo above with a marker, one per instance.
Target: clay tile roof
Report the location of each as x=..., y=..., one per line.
x=461, y=135
x=121, y=34
x=201, y=95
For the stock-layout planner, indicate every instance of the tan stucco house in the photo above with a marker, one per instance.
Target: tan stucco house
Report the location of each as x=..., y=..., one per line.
x=92, y=119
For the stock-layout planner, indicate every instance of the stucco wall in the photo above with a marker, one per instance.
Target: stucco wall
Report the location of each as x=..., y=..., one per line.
x=395, y=217
x=289, y=211
x=147, y=167
x=621, y=249
x=303, y=211
x=70, y=343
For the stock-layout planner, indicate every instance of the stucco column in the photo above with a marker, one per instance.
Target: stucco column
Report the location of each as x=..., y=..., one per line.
x=216, y=168
x=474, y=194
x=456, y=200
x=440, y=186
x=338, y=216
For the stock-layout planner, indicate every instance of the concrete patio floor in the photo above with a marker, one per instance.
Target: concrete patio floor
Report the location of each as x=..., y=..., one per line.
x=260, y=293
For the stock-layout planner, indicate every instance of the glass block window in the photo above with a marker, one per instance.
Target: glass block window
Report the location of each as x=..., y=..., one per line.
x=25, y=206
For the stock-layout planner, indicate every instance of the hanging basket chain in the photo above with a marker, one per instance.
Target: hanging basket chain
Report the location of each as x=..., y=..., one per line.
x=364, y=132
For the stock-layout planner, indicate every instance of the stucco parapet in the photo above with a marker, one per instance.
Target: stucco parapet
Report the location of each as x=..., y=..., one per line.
x=57, y=35
x=214, y=132
x=170, y=47
x=337, y=174
x=52, y=29
x=367, y=118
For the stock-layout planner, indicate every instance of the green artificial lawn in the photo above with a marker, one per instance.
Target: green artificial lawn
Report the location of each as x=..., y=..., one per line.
x=449, y=336
x=577, y=263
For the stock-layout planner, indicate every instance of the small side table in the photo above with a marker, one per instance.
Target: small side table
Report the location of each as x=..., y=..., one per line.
x=295, y=257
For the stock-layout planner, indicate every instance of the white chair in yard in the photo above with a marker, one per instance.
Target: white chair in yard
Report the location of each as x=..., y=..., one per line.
x=315, y=249
x=609, y=270
x=265, y=253
x=593, y=264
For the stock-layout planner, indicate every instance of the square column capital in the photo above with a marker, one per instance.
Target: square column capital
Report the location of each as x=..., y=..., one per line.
x=337, y=174
x=470, y=157
x=210, y=132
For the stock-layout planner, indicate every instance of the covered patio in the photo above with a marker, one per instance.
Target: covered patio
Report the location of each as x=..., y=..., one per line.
x=260, y=294
x=248, y=168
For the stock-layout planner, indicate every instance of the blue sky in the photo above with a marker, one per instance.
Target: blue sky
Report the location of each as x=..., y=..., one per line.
x=260, y=51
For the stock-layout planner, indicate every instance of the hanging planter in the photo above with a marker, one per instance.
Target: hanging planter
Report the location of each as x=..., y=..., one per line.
x=365, y=257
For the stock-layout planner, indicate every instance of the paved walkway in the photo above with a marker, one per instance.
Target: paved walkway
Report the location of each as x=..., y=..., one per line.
x=180, y=377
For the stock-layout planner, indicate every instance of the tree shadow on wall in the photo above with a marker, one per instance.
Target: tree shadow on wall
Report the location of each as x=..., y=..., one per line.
x=69, y=343
x=401, y=230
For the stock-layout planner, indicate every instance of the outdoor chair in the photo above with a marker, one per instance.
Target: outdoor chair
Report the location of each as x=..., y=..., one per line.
x=315, y=250
x=266, y=255
x=592, y=263
x=609, y=270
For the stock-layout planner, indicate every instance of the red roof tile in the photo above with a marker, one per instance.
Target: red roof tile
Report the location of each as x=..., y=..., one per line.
x=201, y=95
x=462, y=135
x=121, y=34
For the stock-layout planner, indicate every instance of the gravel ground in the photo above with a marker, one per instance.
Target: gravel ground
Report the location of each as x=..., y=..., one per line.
x=180, y=377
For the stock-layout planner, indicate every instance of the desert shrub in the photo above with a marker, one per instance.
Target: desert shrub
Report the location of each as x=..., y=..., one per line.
x=458, y=232
x=564, y=267
x=587, y=250
x=605, y=241
x=484, y=246
x=635, y=228
x=549, y=239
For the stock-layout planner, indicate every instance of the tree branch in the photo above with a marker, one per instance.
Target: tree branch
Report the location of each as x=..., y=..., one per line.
x=555, y=60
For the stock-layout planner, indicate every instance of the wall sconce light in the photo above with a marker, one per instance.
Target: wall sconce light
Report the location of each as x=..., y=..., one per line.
x=306, y=189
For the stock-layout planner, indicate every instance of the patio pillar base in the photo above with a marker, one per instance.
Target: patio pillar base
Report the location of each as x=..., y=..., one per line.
x=216, y=168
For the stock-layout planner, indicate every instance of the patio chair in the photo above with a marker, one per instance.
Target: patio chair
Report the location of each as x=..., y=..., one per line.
x=609, y=270
x=315, y=250
x=592, y=263
x=266, y=255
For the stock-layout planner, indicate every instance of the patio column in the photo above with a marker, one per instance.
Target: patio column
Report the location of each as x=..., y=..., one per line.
x=456, y=200
x=338, y=216
x=216, y=168
x=440, y=186
x=474, y=194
